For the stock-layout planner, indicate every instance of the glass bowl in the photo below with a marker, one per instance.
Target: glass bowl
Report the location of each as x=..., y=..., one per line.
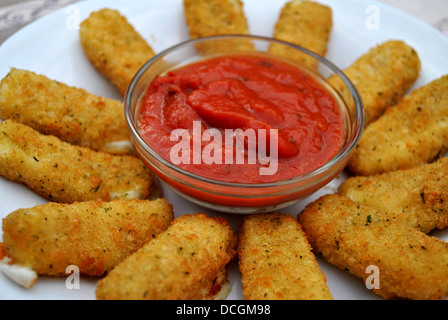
x=242, y=198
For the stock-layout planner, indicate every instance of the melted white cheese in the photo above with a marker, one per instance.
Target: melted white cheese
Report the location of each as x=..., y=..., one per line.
x=226, y=288
x=21, y=275
x=129, y=195
x=123, y=146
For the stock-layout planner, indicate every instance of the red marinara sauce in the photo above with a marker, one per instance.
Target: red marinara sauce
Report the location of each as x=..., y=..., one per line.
x=245, y=92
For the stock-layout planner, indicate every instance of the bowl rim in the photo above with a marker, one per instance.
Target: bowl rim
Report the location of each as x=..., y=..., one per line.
x=345, y=150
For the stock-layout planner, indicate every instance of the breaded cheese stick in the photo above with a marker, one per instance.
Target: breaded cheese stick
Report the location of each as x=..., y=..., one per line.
x=94, y=236
x=354, y=237
x=304, y=23
x=114, y=47
x=408, y=135
x=186, y=262
x=69, y=113
x=217, y=17
x=418, y=196
x=62, y=172
x=276, y=262
x=382, y=76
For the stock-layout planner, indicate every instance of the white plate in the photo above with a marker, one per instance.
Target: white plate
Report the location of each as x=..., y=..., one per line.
x=51, y=46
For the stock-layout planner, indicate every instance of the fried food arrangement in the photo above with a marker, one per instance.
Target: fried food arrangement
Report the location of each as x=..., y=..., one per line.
x=353, y=236
x=217, y=17
x=304, y=23
x=412, y=133
x=59, y=141
x=71, y=114
x=276, y=262
x=186, y=262
x=382, y=76
x=95, y=236
x=418, y=196
x=382, y=220
x=114, y=47
x=62, y=172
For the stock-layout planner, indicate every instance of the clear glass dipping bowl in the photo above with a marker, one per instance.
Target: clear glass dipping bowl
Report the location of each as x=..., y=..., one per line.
x=242, y=198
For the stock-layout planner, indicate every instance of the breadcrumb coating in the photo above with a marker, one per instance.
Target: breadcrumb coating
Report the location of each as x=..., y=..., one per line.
x=71, y=114
x=94, y=236
x=353, y=237
x=61, y=172
x=217, y=17
x=276, y=261
x=304, y=23
x=418, y=196
x=114, y=47
x=412, y=133
x=381, y=76
x=186, y=262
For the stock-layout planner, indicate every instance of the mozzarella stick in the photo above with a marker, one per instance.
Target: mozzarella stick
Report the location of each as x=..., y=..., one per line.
x=397, y=260
x=418, y=196
x=186, y=262
x=276, y=261
x=69, y=113
x=94, y=236
x=304, y=23
x=62, y=172
x=114, y=47
x=217, y=17
x=412, y=133
x=382, y=76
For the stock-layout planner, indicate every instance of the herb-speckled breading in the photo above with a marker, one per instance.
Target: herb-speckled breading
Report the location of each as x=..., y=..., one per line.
x=352, y=236
x=114, y=47
x=276, y=261
x=382, y=76
x=186, y=262
x=62, y=172
x=418, y=196
x=412, y=133
x=304, y=23
x=94, y=236
x=217, y=17
x=71, y=114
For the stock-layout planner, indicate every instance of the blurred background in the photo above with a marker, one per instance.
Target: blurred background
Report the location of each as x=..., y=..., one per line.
x=16, y=14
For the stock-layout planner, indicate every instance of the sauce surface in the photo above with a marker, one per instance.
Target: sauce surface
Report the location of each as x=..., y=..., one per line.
x=244, y=92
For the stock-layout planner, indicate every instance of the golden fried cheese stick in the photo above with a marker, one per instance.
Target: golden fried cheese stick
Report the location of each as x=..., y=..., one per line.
x=356, y=238
x=418, y=196
x=114, y=47
x=408, y=135
x=69, y=113
x=186, y=262
x=304, y=23
x=217, y=17
x=382, y=76
x=276, y=262
x=62, y=172
x=94, y=236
